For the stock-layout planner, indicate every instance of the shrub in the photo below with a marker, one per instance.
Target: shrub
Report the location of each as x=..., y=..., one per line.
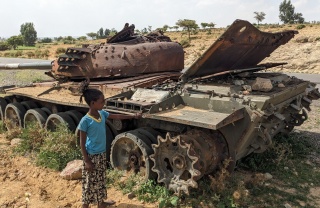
x=58, y=149
x=185, y=43
x=18, y=53
x=51, y=149
x=45, y=53
x=30, y=54
x=46, y=40
x=4, y=46
x=60, y=50
x=299, y=27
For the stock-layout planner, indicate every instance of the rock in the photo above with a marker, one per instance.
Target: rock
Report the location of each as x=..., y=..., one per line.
x=286, y=205
x=262, y=84
x=247, y=88
x=268, y=176
x=73, y=170
x=302, y=39
x=15, y=141
x=238, y=82
x=131, y=195
x=281, y=85
x=312, y=39
x=286, y=168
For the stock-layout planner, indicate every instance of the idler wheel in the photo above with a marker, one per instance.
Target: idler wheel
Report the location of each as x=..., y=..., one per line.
x=182, y=160
x=130, y=152
x=14, y=114
x=56, y=119
x=35, y=115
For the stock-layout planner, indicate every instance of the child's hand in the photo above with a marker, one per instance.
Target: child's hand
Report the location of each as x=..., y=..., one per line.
x=88, y=166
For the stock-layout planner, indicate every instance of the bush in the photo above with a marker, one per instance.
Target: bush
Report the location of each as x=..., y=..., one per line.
x=58, y=149
x=46, y=40
x=46, y=53
x=51, y=149
x=299, y=27
x=185, y=43
x=60, y=51
x=18, y=53
x=30, y=54
x=4, y=46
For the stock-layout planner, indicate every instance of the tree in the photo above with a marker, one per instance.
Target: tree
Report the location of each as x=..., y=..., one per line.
x=204, y=25
x=82, y=38
x=298, y=18
x=92, y=35
x=100, y=33
x=28, y=33
x=259, y=16
x=14, y=41
x=287, y=15
x=165, y=28
x=46, y=40
x=211, y=25
x=175, y=27
x=107, y=32
x=4, y=46
x=188, y=25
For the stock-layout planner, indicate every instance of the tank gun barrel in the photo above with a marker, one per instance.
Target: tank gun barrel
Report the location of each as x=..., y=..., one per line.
x=35, y=65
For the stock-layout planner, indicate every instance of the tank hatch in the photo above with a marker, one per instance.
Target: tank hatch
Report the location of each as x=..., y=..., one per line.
x=241, y=46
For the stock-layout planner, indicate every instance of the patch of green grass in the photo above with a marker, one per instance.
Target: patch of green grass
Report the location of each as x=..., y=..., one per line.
x=50, y=149
x=146, y=191
x=26, y=48
x=2, y=127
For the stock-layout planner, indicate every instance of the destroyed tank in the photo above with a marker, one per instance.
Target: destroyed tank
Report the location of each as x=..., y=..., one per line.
x=180, y=125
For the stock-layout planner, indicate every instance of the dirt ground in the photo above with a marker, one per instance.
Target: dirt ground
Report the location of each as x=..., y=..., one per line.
x=25, y=185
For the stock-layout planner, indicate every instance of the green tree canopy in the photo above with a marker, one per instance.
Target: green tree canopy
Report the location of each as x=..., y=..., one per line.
x=259, y=16
x=211, y=25
x=204, y=25
x=100, y=34
x=187, y=25
x=287, y=15
x=15, y=41
x=92, y=35
x=28, y=33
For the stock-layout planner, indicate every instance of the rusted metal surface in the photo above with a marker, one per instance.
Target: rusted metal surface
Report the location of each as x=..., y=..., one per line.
x=241, y=46
x=124, y=55
x=197, y=117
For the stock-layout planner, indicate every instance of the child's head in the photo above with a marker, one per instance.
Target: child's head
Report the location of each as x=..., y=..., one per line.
x=93, y=97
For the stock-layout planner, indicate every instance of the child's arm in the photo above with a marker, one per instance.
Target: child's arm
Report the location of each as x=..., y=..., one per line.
x=122, y=117
x=87, y=161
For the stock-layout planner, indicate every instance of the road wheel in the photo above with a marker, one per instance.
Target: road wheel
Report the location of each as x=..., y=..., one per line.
x=14, y=114
x=35, y=115
x=59, y=118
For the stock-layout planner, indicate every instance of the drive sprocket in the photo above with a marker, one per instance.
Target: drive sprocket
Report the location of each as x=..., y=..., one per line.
x=181, y=160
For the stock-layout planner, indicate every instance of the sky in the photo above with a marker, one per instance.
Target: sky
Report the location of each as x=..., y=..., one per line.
x=53, y=18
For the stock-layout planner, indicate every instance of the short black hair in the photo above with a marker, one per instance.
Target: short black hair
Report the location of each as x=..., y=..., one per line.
x=89, y=94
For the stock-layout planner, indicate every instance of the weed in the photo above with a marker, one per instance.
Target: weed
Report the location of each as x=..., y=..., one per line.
x=2, y=127
x=58, y=149
x=185, y=43
x=60, y=50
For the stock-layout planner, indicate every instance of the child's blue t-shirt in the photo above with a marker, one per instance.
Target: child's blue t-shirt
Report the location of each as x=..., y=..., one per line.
x=96, y=132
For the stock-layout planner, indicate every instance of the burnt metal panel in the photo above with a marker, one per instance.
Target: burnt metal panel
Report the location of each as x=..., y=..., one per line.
x=241, y=46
